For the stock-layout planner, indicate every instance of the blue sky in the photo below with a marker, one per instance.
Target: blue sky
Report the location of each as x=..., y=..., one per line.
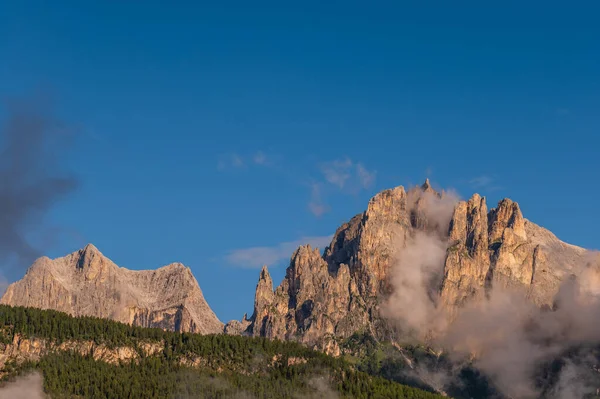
x=208, y=131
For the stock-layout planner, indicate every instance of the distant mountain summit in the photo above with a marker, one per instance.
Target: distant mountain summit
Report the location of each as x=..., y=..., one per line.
x=348, y=289
x=86, y=283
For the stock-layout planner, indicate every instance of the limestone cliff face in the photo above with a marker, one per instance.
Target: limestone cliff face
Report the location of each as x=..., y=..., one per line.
x=32, y=349
x=310, y=303
x=468, y=258
x=338, y=293
x=500, y=248
x=333, y=295
x=87, y=283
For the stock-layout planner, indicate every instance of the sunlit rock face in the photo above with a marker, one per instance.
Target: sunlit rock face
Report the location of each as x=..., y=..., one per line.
x=86, y=283
x=334, y=294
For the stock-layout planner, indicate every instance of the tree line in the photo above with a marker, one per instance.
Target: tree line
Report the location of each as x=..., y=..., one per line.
x=231, y=365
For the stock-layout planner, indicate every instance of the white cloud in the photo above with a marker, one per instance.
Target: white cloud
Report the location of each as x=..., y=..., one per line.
x=317, y=209
x=343, y=175
x=260, y=158
x=29, y=386
x=481, y=181
x=232, y=160
x=484, y=182
x=337, y=172
x=256, y=257
x=344, y=172
x=365, y=177
x=316, y=204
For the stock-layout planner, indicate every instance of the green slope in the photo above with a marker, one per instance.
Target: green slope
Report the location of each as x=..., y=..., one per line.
x=229, y=366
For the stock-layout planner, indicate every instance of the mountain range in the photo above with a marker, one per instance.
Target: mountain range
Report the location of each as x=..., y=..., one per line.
x=333, y=294
x=403, y=271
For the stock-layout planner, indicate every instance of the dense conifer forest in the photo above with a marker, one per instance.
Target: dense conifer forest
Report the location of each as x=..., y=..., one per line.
x=230, y=367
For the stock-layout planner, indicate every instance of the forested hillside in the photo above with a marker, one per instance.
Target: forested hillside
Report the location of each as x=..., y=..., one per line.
x=71, y=354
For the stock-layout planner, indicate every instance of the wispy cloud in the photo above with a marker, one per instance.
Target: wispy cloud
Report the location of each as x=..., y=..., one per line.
x=337, y=172
x=256, y=257
x=341, y=175
x=236, y=161
x=484, y=182
x=316, y=205
x=365, y=177
x=481, y=181
x=230, y=161
x=260, y=158
x=344, y=172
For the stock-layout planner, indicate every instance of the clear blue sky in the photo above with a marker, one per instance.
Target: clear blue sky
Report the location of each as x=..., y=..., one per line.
x=206, y=130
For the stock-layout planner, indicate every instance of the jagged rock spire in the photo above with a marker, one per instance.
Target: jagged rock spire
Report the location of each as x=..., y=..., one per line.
x=427, y=185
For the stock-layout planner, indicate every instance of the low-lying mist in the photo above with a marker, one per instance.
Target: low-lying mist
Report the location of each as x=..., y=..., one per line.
x=525, y=351
x=25, y=387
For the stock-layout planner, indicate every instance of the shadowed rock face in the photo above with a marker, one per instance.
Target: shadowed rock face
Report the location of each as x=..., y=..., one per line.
x=86, y=283
x=339, y=292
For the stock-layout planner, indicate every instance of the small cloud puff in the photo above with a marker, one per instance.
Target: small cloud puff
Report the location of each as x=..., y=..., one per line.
x=256, y=257
x=481, y=181
x=236, y=161
x=343, y=175
x=344, y=172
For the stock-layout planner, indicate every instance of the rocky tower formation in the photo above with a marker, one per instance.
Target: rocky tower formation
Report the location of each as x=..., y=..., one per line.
x=329, y=296
x=87, y=283
x=501, y=248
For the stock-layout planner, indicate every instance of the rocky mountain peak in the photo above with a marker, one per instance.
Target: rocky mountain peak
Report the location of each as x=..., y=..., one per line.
x=323, y=298
x=264, y=273
x=176, y=267
x=86, y=283
x=427, y=188
x=263, y=300
x=264, y=289
x=91, y=249
x=89, y=257
x=387, y=204
x=506, y=215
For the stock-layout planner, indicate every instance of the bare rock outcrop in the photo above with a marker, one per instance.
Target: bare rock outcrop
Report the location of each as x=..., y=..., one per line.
x=467, y=260
x=86, y=283
x=330, y=296
x=503, y=249
x=33, y=349
x=338, y=293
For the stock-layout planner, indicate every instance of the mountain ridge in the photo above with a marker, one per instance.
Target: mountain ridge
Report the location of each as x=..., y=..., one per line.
x=485, y=288
x=86, y=283
x=334, y=294
x=359, y=281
